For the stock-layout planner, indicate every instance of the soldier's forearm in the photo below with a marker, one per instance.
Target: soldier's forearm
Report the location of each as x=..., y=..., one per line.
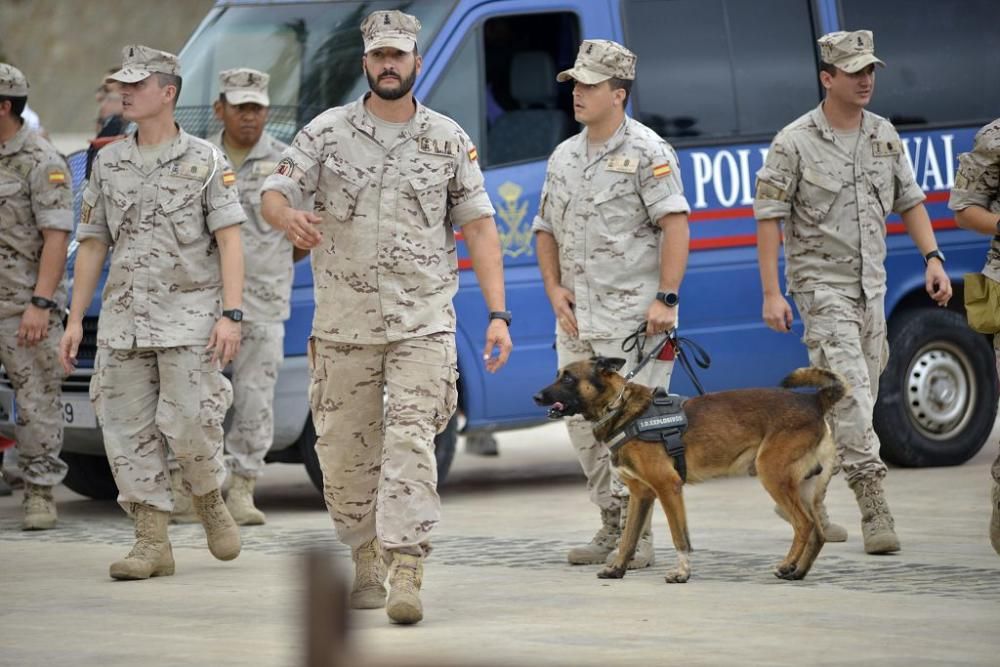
x=483, y=242
x=231, y=260
x=674, y=251
x=768, y=248
x=918, y=226
x=548, y=259
x=272, y=206
x=86, y=272
x=977, y=219
x=52, y=263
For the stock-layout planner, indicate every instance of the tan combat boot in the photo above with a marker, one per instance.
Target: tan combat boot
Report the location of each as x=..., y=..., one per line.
x=220, y=529
x=183, y=511
x=833, y=532
x=877, y=525
x=39, y=507
x=405, y=575
x=151, y=556
x=603, y=542
x=368, y=591
x=643, y=556
x=995, y=519
x=240, y=501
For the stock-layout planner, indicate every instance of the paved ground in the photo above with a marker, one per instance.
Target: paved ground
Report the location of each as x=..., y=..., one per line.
x=497, y=588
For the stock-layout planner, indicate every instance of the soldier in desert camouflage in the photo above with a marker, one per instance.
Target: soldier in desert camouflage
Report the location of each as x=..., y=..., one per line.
x=832, y=177
x=392, y=181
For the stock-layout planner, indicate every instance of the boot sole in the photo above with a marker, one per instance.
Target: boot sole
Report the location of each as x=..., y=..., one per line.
x=403, y=613
x=128, y=576
x=587, y=560
x=38, y=525
x=878, y=547
x=368, y=600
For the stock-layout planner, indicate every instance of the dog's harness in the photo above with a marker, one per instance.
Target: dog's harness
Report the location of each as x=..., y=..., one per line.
x=662, y=421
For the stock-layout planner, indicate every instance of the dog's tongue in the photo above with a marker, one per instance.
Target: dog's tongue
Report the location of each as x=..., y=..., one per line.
x=558, y=406
x=555, y=410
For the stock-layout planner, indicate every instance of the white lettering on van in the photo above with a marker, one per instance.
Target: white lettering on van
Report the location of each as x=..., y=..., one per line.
x=747, y=198
x=925, y=163
x=727, y=199
x=702, y=175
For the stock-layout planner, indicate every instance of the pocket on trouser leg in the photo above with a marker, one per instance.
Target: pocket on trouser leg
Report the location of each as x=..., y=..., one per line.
x=449, y=394
x=95, y=389
x=317, y=385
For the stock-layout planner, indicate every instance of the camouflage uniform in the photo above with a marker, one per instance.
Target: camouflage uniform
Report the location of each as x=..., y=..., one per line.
x=603, y=211
x=266, y=292
x=978, y=184
x=154, y=382
x=384, y=277
x=834, y=204
x=35, y=194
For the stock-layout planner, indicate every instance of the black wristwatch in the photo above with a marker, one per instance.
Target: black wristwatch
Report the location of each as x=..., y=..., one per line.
x=932, y=254
x=500, y=315
x=42, y=302
x=235, y=314
x=668, y=299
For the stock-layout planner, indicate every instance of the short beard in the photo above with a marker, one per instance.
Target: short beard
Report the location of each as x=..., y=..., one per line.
x=405, y=86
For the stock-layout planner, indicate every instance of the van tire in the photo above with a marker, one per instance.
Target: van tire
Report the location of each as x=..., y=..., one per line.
x=935, y=349
x=445, y=444
x=89, y=476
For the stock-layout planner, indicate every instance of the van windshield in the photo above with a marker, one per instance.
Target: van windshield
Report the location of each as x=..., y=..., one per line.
x=311, y=50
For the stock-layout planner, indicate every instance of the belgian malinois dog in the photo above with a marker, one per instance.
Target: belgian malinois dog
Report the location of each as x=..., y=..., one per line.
x=777, y=434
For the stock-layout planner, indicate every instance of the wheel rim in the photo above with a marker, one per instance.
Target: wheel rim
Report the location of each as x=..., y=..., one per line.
x=939, y=387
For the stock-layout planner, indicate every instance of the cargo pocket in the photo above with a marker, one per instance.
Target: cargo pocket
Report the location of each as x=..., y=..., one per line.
x=95, y=388
x=449, y=392
x=620, y=208
x=341, y=186
x=819, y=318
x=431, y=190
x=215, y=393
x=816, y=193
x=183, y=212
x=317, y=382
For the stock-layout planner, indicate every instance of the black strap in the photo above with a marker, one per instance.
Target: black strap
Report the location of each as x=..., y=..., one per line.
x=682, y=348
x=637, y=341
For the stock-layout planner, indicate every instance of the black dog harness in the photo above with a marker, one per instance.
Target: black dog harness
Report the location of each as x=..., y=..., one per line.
x=663, y=421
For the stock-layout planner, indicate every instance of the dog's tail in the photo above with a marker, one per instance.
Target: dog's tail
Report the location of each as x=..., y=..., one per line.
x=831, y=386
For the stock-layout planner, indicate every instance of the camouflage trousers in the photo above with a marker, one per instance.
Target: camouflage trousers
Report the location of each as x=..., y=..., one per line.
x=149, y=400
x=606, y=490
x=996, y=351
x=848, y=336
x=255, y=372
x=377, y=456
x=36, y=376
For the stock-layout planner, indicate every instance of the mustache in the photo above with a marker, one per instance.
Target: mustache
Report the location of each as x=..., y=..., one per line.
x=389, y=75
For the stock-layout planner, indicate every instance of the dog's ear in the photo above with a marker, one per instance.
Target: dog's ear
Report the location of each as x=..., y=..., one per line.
x=609, y=364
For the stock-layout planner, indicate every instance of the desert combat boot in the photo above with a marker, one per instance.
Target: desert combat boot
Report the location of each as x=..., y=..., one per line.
x=406, y=573
x=368, y=591
x=832, y=532
x=183, y=511
x=603, y=542
x=39, y=507
x=644, y=555
x=151, y=556
x=877, y=525
x=240, y=502
x=220, y=529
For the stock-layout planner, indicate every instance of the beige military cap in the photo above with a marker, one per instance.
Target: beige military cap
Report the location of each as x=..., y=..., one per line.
x=139, y=62
x=244, y=85
x=390, y=29
x=12, y=81
x=600, y=60
x=849, y=51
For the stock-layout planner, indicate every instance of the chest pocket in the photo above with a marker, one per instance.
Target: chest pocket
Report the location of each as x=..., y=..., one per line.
x=620, y=206
x=339, y=195
x=183, y=209
x=116, y=210
x=431, y=189
x=10, y=200
x=816, y=194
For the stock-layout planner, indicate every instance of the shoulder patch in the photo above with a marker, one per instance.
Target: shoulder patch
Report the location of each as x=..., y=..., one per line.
x=228, y=178
x=286, y=167
x=445, y=147
x=661, y=170
x=57, y=176
x=623, y=164
x=473, y=154
x=197, y=172
x=885, y=148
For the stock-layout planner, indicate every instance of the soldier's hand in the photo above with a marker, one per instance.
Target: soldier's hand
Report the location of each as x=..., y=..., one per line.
x=300, y=228
x=34, y=326
x=660, y=318
x=563, y=303
x=938, y=283
x=777, y=313
x=497, y=339
x=69, y=345
x=225, y=341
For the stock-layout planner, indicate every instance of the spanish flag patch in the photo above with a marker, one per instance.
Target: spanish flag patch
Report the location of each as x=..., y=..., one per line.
x=56, y=176
x=661, y=170
x=228, y=178
x=473, y=154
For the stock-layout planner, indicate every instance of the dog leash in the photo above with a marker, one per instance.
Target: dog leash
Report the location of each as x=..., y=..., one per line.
x=682, y=348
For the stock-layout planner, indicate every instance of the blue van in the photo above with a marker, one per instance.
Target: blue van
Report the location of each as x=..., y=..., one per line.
x=717, y=79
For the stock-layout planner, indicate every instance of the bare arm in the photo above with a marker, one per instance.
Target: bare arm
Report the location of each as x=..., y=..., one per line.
x=673, y=263
x=978, y=219
x=936, y=280
x=226, y=333
x=562, y=300
x=777, y=313
x=86, y=272
x=35, y=321
x=483, y=242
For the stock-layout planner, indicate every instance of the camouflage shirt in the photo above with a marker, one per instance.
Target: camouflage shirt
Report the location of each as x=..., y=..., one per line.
x=387, y=268
x=834, y=204
x=164, y=285
x=603, y=213
x=978, y=184
x=267, y=254
x=35, y=194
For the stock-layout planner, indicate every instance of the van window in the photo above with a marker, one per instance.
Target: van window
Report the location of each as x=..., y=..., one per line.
x=721, y=69
x=523, y=113
x=942, y=59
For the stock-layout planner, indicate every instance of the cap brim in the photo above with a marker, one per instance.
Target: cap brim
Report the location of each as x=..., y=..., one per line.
x=858, y=63
x=129, y=75
x=247, y=97
x=585, y=76
x=400, y=43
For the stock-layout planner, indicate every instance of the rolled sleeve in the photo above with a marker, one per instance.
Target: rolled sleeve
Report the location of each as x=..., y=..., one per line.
x=977, y=181
x=540, y=223
x=93, y=220
x=58, y=219
x=296, y=175
x=660, y=183
x=467, y=197
x=52, y=194
x=222, y=201
x=777, y=182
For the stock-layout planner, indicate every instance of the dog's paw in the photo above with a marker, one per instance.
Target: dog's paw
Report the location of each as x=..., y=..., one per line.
x=787, y=571
x=677, y=576
x=611, y=572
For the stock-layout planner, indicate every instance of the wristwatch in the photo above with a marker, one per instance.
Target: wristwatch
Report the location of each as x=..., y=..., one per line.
x=668, y=299
x=42, y=302
x=932, y=254
x=500, y=315
x=235, y=314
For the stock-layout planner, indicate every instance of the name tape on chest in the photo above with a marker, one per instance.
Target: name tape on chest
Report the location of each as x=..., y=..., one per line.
x=195, y=172
x=263, y=167
x=445, y=147
x=886, y=148
x=623, y=164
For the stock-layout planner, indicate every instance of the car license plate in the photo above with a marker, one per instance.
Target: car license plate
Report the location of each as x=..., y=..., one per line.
x=77, y=411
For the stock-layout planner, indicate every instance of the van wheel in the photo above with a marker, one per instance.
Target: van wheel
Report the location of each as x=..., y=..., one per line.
x=938, y=396
x=89, y=476
x=444, y=451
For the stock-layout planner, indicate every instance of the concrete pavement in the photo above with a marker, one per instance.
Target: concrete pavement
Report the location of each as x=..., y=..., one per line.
x=497, y=588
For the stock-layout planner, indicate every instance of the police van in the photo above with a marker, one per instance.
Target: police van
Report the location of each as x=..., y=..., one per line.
x=717, y=79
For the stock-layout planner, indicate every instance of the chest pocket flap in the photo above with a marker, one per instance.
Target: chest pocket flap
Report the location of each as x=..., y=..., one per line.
x=816, y=194
x=183, y=209
x=340, y=194
x=430, y=185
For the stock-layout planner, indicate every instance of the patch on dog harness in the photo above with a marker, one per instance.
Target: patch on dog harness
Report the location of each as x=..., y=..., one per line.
x=662, y=421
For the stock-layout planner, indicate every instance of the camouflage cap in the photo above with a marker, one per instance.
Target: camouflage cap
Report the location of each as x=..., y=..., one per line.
x=244, y=85
x=139, y=62
x=12, y=81
x=390, y=29
x=600, y=60
x=849, y=51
